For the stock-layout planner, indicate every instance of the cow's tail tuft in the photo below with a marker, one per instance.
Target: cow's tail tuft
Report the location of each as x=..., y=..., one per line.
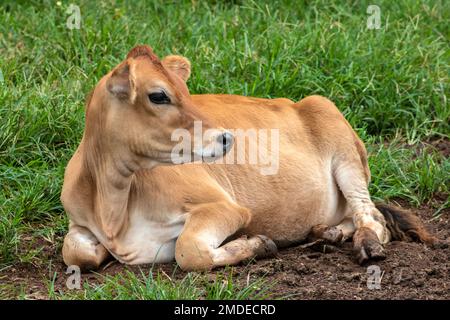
x=404, y=225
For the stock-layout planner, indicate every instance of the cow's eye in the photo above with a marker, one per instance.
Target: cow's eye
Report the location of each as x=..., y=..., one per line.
x=159, y=97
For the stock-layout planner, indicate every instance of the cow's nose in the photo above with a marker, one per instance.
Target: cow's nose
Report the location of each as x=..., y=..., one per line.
x=227, y=140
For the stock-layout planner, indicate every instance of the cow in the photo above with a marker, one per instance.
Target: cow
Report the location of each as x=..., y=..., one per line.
x=127, y=198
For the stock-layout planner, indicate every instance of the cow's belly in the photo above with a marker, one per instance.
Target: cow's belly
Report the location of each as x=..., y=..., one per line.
x=147, y=241
x=310, y=199
x=293, y=224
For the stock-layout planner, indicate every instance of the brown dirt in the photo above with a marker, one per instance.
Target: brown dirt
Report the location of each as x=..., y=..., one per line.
x=440, y=145
x=410, y=271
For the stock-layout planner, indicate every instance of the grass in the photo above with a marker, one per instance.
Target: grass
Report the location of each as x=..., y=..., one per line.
x=160, y=286
x=392, y=84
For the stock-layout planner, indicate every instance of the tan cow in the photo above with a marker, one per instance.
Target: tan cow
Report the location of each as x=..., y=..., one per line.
x=125, y=199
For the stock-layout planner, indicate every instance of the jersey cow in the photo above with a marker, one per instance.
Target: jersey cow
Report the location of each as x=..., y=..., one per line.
x=126, y=197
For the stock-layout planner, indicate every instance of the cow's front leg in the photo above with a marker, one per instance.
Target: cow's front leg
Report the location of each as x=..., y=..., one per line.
x=199, y=246
x=81, y=248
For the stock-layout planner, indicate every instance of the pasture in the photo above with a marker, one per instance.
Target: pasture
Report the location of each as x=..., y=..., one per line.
x=391, y=82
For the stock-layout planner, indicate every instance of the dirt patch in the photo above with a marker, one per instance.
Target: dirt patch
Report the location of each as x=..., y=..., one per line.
x=410, y=271
x=440, y=145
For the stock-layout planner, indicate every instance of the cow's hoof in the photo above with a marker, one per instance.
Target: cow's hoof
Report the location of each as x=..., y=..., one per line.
x=331, y=235
x=366, y=246
x=266, y=247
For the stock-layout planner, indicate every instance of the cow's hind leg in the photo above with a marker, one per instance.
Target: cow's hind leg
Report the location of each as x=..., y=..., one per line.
x=199, y=247
x=81, y=248
x=333, y=235
x=324, y=238
x=371, y=231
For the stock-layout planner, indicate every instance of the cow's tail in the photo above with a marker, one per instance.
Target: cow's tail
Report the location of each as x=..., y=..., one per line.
x=404, y=225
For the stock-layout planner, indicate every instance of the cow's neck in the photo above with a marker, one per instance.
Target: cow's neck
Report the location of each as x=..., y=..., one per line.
x=111, y=180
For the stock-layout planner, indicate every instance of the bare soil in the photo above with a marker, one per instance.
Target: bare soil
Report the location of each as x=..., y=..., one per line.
x=410, y=271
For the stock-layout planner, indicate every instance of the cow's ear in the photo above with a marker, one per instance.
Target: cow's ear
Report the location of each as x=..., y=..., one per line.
x=178, y=65
x=120, y=83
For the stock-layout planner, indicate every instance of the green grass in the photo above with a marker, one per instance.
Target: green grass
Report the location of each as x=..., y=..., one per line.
x=392, y=84
x=160, y=286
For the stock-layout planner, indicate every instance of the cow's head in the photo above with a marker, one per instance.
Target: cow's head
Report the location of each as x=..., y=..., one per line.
x=137, y=106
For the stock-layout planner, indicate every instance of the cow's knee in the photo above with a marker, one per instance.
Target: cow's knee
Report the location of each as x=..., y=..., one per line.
x=81, y=248
x=192, y=254
x=198, y=255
